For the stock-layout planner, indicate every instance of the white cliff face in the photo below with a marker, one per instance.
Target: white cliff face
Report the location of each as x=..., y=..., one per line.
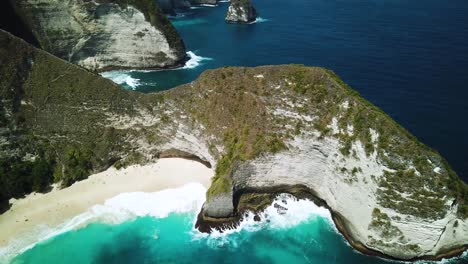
x=348, y=185
x=101, y=36
x=241, y=11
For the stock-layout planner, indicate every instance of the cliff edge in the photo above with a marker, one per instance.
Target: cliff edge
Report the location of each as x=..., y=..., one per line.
x=104, y=34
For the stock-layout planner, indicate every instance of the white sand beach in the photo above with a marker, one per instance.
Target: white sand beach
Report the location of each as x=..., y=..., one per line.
x=56, y=207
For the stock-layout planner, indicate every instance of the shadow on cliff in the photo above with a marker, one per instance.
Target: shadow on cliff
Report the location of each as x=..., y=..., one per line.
x=10, y=21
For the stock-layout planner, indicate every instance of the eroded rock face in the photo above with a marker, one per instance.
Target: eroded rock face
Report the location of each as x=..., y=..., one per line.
x=220, y=206
x=104, y=34
x=241, y=11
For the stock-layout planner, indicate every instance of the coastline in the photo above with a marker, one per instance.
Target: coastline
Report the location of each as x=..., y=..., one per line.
x=22, y=224
x=205, y=224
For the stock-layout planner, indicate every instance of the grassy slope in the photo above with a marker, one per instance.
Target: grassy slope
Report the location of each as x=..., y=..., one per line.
x=55, y=115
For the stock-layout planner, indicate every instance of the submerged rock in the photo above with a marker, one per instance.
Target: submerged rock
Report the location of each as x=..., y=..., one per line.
x=104, y=34
x=241, y=11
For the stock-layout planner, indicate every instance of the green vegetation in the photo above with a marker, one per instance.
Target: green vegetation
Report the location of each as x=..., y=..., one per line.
x=77, y=165
x=240, y=148
x=381, y=222
x=19, y=177
x=58, y=133
x=388, y=233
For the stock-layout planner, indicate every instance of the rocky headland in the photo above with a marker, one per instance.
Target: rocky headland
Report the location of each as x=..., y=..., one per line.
x=241, y=11
x=103, y=34
x=265, y=130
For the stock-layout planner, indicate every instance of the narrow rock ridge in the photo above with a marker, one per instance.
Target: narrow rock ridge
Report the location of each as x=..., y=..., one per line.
x=241, y=11
x=292, y=128
x=104, y=34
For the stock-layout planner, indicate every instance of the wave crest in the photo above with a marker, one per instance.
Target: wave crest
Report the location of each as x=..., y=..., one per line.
x=194, y=60
x=122, y=78
x=116, y=210
x=286, y=211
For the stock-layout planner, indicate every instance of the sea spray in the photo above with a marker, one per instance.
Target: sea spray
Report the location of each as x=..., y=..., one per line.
x=285, y=211
x=260, y=20
x=194, y=60
x=122, y=78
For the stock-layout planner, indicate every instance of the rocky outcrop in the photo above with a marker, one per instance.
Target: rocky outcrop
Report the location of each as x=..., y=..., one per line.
x=267, y=130
x=104, y=34
x=241, y=11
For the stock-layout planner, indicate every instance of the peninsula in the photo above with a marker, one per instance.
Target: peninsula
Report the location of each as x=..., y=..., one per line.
x=265, y=130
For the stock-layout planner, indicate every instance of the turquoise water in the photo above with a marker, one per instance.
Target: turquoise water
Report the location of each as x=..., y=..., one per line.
x=172, y=240
x=304, y=234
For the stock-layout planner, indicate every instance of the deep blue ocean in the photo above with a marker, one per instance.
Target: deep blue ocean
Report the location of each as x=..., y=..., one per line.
x=408, y=57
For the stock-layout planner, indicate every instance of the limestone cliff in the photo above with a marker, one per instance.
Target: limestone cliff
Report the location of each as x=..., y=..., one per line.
x=267, y=130
x=241, y=11
x=104, y=34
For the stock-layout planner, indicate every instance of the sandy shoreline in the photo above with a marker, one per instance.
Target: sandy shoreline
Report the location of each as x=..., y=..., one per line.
x=56, y=207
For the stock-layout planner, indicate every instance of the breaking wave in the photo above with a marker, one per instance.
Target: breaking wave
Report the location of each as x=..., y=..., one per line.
x=121, y=208
x=122, y=78
x=194, y=60
x=285, y=212
x=260, y=20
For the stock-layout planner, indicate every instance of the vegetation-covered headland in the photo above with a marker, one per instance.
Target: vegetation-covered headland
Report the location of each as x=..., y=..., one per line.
x=265, y=130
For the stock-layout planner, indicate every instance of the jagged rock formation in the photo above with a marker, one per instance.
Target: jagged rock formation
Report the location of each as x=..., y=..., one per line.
x=266, y=130
x=104, y=34
x=241, y=11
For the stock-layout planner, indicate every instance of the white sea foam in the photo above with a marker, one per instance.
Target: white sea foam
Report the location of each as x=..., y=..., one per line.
x=122, y=78
x=260, y=20
x=208, y=5
x=224, y=1
x=290, y=212
x=194, y=60
x=123, y=207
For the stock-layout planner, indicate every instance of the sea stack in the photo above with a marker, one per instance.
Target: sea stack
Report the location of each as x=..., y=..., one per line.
x=241, y=11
